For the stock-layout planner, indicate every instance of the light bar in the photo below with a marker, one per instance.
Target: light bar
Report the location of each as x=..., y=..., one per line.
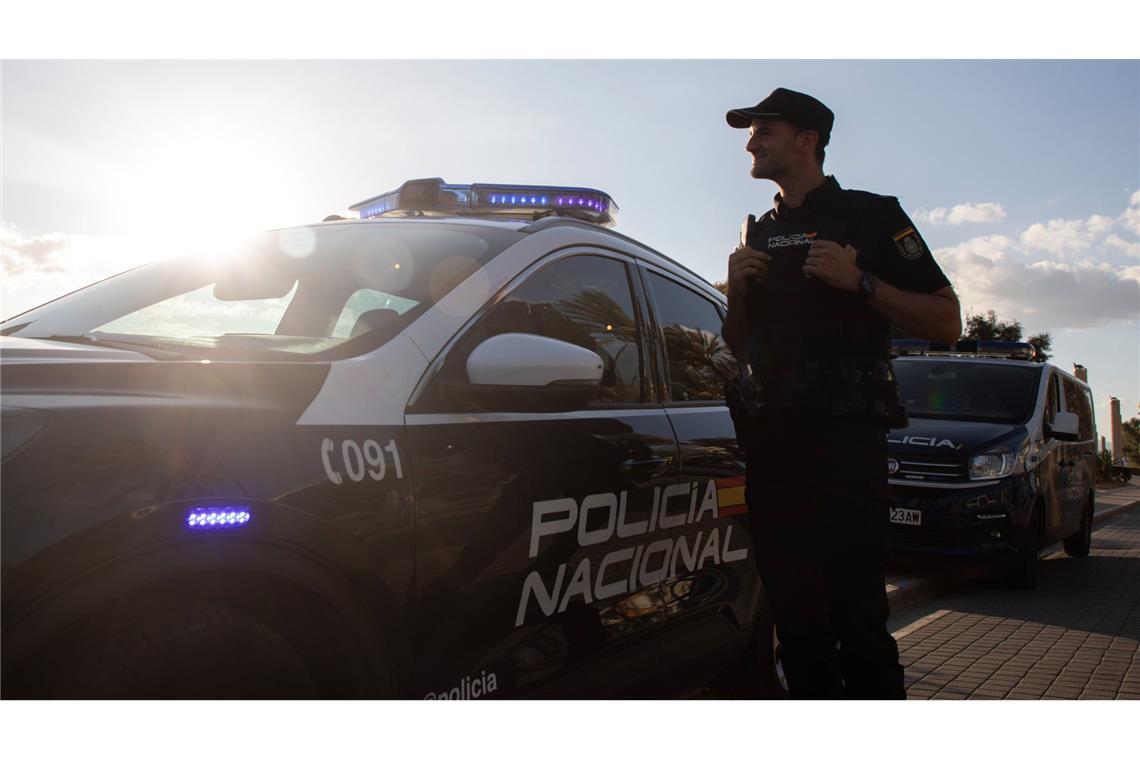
x=434, y=197
x=1000, y=349
x=908, y=346
x=1010, y=348
x=217, y=518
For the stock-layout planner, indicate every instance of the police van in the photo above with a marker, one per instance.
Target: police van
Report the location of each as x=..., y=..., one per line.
x=469, y=444
x=998, y=459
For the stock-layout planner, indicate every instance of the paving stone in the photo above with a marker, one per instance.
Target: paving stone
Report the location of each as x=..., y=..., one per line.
x=1075, y=636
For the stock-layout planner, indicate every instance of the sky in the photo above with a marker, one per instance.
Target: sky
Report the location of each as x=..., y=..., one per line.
x=1023, y=176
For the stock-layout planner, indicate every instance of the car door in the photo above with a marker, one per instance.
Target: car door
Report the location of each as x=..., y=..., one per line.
x=539, y=554
x=1053, y=467
x=713, y=586
x=1075, y=459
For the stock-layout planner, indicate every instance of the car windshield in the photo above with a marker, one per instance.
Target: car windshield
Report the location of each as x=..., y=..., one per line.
x=963, y=390
x=314, y=292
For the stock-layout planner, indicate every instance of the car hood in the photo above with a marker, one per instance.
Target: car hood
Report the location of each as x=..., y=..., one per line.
x=53, y=375
x=935, y=436
x=15, y=350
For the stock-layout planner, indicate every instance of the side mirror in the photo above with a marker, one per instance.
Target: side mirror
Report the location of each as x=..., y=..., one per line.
x=1064, y=427
x=521, y=372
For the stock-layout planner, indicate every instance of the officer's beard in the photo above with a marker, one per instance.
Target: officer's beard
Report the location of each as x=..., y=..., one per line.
x=769, y=168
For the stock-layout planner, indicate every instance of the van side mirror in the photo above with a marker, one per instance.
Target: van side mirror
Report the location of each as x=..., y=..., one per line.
x=1064, y=427
x=528, y=373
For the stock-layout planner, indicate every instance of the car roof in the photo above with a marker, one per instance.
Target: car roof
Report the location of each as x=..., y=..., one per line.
x=966, y=358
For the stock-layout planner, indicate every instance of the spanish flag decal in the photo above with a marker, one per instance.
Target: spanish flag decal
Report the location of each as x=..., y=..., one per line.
x=730, y=497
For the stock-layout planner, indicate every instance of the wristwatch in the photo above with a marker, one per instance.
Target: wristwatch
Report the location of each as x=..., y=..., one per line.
x=868, y=286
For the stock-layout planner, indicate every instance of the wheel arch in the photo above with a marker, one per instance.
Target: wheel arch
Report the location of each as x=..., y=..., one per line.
x=318, y=590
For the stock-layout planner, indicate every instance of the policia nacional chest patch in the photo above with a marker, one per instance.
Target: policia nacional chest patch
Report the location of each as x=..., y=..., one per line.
x=908, y=243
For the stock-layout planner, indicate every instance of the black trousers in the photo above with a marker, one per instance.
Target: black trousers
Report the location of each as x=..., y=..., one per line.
x=819, y=506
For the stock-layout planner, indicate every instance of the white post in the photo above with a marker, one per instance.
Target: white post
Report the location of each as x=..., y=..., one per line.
x=1116, y=429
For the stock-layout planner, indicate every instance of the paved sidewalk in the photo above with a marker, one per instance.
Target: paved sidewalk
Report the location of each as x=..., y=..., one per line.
x=1108, y=499
x=1076, y=636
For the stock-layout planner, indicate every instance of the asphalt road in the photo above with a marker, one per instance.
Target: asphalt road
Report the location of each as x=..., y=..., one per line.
x=911, y=581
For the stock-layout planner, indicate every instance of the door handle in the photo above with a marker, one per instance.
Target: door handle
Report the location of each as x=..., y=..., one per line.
x=645, y=469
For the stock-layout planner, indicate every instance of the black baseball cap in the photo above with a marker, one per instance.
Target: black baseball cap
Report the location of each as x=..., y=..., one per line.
x=802, y=110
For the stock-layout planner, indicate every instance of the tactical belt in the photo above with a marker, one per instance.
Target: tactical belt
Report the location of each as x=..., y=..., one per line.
x=844, y=388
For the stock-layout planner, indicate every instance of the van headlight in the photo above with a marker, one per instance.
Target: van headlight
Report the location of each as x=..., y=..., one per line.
x=992, y=464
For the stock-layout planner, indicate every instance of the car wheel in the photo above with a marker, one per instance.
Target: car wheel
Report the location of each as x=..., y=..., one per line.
x=183, y=650
x=758, y=673
x=1021, y=569
x=1080, y=543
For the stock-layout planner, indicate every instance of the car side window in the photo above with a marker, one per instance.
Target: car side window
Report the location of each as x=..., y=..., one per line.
x=585, y=300
x=1077, y=403
x=1092, y=414
x=1052, y=403
x=368, y=309
x=697, y=359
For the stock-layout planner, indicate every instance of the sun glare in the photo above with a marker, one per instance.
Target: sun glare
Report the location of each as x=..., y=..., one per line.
x=202, y=191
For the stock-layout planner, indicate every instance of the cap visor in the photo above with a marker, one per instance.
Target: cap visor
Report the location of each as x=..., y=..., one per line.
x=741, y=118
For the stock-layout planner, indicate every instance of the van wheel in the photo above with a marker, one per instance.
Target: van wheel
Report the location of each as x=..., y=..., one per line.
x=1080, y=543
x=1021, y=569
x=177, y=650
x=757, y=674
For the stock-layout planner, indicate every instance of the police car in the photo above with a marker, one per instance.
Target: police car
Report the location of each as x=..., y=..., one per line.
x=999, y=457
x=470, y=444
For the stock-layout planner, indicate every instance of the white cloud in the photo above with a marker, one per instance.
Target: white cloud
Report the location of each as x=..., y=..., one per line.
x=1099, y=224
x=962, y=213
x=1069, y=237
x=1064, y=236
x=19, y=254
x=997, y=272
x=1056, y=274
x=1131, y=216
x=39, y=268
x=1128, y=247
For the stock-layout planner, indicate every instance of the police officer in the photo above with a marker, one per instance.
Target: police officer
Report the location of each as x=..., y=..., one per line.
x=812, y=291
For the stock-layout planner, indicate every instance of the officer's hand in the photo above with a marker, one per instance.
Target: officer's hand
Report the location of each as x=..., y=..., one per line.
x=744, y=264
x=834, y=264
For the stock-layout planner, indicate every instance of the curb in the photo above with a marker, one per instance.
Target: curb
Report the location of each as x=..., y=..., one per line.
x=1113, y=511
x=910, y=591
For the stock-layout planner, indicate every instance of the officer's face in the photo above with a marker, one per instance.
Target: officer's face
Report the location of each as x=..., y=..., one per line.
x=772, y=143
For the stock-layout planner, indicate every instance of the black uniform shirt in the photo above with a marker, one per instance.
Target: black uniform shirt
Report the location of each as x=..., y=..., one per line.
x=793, y=318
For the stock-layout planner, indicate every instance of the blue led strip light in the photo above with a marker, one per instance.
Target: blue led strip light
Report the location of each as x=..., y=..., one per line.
x=217, y=518
x=434, y=197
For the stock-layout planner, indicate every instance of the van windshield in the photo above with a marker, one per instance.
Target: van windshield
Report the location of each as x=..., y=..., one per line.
x=965, y=391
x=317, y=292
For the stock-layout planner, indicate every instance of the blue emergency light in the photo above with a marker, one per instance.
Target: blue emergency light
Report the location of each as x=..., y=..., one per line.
x=434, y=197
x=217, y=518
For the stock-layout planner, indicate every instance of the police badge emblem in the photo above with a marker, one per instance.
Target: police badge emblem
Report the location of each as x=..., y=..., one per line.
x=908, y=243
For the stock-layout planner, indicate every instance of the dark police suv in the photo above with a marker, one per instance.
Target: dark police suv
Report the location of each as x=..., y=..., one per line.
x=999, y=457
x=471, y=444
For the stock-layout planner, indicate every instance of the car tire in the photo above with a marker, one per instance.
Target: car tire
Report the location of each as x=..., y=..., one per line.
x=176, y=650
x=1080, y=543
x=757, y=673
x=1021, y=568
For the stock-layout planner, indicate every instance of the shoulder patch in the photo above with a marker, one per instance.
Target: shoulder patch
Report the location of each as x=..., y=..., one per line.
x=910, y=247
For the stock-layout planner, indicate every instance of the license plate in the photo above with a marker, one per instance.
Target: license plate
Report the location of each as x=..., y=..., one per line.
x=906, y=516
